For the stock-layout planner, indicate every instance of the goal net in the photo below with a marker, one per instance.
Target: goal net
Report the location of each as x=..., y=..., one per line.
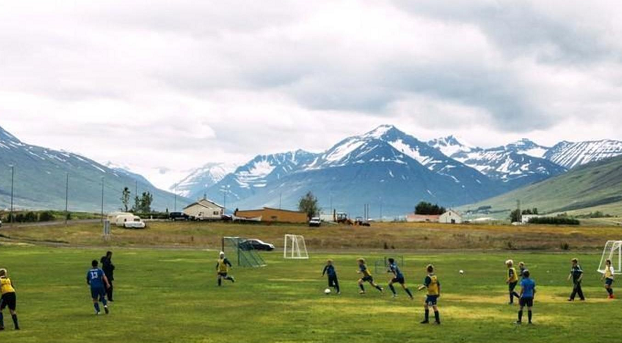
x=295, y=248
x=613, y=252
x=241, y=251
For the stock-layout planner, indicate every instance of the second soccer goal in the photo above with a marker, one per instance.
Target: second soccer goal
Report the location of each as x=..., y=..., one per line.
x=295, y=247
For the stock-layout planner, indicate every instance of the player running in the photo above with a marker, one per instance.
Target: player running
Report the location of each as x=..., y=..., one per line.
x=512, y=280
x=521, y=269
x=329, y=269
x=434, y=292
x=98, y=281
x=398, y=277
x=576, y=273
x=222, y=266
x=608, y=277
x=8, y=299
x=527, y=294
x=367, y=277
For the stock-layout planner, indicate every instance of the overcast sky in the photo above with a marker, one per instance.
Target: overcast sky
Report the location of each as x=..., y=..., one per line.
x=166, y=86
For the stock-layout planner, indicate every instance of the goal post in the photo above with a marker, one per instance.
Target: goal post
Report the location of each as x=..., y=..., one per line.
x=613, y=252
x=295, y=248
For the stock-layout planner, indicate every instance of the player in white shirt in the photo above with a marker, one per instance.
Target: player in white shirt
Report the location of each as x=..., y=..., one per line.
x=608, y=277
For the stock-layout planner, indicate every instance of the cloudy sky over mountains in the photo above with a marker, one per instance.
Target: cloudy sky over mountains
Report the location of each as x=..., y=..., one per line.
x=165, y=86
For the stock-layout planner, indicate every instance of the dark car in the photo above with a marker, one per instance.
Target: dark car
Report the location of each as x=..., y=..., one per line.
x=175, y=216
x=255, y=244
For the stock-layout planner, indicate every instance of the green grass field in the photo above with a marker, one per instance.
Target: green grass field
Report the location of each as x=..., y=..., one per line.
x=166, y=295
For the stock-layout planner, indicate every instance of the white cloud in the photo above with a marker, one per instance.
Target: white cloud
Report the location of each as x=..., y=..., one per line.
x=167, y=86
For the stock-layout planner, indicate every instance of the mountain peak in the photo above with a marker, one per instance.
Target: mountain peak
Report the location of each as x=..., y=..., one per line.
x=5, y=136
x=380, y=131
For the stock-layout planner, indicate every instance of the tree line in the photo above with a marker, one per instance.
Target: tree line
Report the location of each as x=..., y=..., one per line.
x=142, y=204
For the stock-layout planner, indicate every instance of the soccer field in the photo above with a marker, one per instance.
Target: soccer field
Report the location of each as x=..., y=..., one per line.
x=171, y=296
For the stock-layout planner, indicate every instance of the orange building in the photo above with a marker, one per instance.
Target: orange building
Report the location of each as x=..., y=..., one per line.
x=273, y=215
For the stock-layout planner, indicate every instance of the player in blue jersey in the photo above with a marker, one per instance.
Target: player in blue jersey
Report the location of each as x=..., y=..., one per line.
x=527, y=294
x=398, y=277
x=98, y=281
x=329, y=270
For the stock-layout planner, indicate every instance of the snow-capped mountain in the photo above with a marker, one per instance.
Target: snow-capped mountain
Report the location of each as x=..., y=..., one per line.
x=40, y=176
x=570, y=155
x=124, y=170
x=515, y=164
x=202, y=178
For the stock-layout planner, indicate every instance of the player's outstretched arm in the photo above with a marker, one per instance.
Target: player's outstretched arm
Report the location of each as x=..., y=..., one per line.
x=106, y=281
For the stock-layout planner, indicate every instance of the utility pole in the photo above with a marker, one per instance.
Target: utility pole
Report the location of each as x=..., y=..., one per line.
x=380, y=209
x=280, y=199
x=67, y=199
x=519, y=215
x=102, y=212
x=175, y=192
x=12, y=184
x=136, y=188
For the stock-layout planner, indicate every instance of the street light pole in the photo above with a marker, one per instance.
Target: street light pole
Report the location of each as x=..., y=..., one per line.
x=102, y=209
x=175, y=192
x=67, y=199
x=12, y=184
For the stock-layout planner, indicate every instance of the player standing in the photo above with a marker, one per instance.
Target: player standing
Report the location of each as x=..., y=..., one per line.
x=608, y=277
x=527, y=294
x=398, y=277
x=96, y=278
x=108, y=269
x=367, y=277
x=434, y=292
x=329, y=269
x=222, y=266
x=576, y=273
x=9, y=299
x=512, y=280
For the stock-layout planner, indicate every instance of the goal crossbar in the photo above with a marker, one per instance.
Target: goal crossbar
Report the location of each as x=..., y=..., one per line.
x=295, y=247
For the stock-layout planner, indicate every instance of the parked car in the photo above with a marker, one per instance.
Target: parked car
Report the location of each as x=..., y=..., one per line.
x=360, y=222
x=256, y=244
x=134, y=223
x=175, y=216
x=315, y=222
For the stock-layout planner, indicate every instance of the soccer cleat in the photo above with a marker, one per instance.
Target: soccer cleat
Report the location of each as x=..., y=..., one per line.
x=425, y=322
x=106, y=309
x=338, y=293
x=97, y=313
x=437, y=323
x=394, y=296
x=570, y=299
x=232, y=279
x=1, y=328
x=518, y=322
x=362, y=292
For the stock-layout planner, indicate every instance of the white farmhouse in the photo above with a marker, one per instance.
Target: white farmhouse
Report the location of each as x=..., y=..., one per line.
x=204, y=210
x=450, y=217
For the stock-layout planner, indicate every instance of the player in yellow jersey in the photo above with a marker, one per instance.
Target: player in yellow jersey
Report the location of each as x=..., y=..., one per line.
x=222, y=268
x=8, y=299
x=433, y=286
x=512, y=281
x=608, y=277
x=367, y=277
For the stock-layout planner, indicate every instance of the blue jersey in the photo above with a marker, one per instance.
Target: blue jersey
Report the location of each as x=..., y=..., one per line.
x=95, y=278
x=395, y=269
x=330, y=270
x=529, y=287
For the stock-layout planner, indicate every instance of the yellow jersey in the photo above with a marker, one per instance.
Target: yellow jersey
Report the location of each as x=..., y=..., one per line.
x=363, y=268
x=6, y=286
x=432, y=284
x=222, y=266
x=609, y=272
x=512, y=276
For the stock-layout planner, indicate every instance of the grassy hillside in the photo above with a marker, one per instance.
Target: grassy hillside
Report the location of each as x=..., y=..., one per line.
x=589, y=188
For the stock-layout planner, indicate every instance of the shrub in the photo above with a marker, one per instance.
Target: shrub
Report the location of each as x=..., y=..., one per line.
x=554, y=221
x=46, y=216
x=30, y=217
x=565, y=246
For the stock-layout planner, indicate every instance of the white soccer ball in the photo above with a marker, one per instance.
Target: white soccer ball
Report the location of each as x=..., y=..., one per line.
x=461, y=271
x=327, y=291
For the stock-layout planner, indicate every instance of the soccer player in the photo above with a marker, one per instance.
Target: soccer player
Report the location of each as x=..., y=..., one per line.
x=576, y=273
x=222, y=266
x=8, y=299
x=527, y=294
x=108, y=269
x=367, y=277
x=522, y=269
x=512, y=280
x=434, y=292
x=608, y=277
x=329, y=269
x=98, y=281
x=398, y=277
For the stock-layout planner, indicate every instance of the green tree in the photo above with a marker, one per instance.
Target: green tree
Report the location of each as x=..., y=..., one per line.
x=515, y=216
x=125, y=199
x=426, y=208
x=309, y=205
x=145, y=202
x=136, y=207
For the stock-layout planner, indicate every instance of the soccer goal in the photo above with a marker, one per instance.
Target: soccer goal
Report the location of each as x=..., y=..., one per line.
x=295, y=248
x=242, y=251
x=613, y=252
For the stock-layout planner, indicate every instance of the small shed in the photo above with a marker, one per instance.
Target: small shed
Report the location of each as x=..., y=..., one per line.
x=450, y=217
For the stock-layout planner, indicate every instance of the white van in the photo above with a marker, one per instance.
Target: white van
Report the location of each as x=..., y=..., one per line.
x=129, y=221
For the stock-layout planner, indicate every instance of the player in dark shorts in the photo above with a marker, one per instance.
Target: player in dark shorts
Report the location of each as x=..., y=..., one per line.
x=367, y=277
x=576, y=274
x=433, y=287
x=98, y=282
x=9, y=299
x=329, y=270
x=222, y=268
x=512, y=280
x=527, y=294
x=398, y=277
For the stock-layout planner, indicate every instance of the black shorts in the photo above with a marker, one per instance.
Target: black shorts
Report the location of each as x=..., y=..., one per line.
x=368, y=278
x=399, y=280
x=526, y=302
x=222, y=274
x=512, y=286
x=8, y=300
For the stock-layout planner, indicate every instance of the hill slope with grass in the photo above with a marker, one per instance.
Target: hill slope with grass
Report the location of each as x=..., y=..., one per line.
x=593, y=187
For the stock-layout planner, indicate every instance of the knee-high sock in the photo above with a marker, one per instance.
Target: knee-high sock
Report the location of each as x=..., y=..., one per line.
x=409, y=293
x=96, y=305
x=610, y=291
x=520, y=315
x=529, y=315
x=379, y=288
x=362, y=287
x=392, y=289
x=437, y=316
x=1, y=319
x=427, y=314
x=104, y=301
x=14, y=317
x=219, y=281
